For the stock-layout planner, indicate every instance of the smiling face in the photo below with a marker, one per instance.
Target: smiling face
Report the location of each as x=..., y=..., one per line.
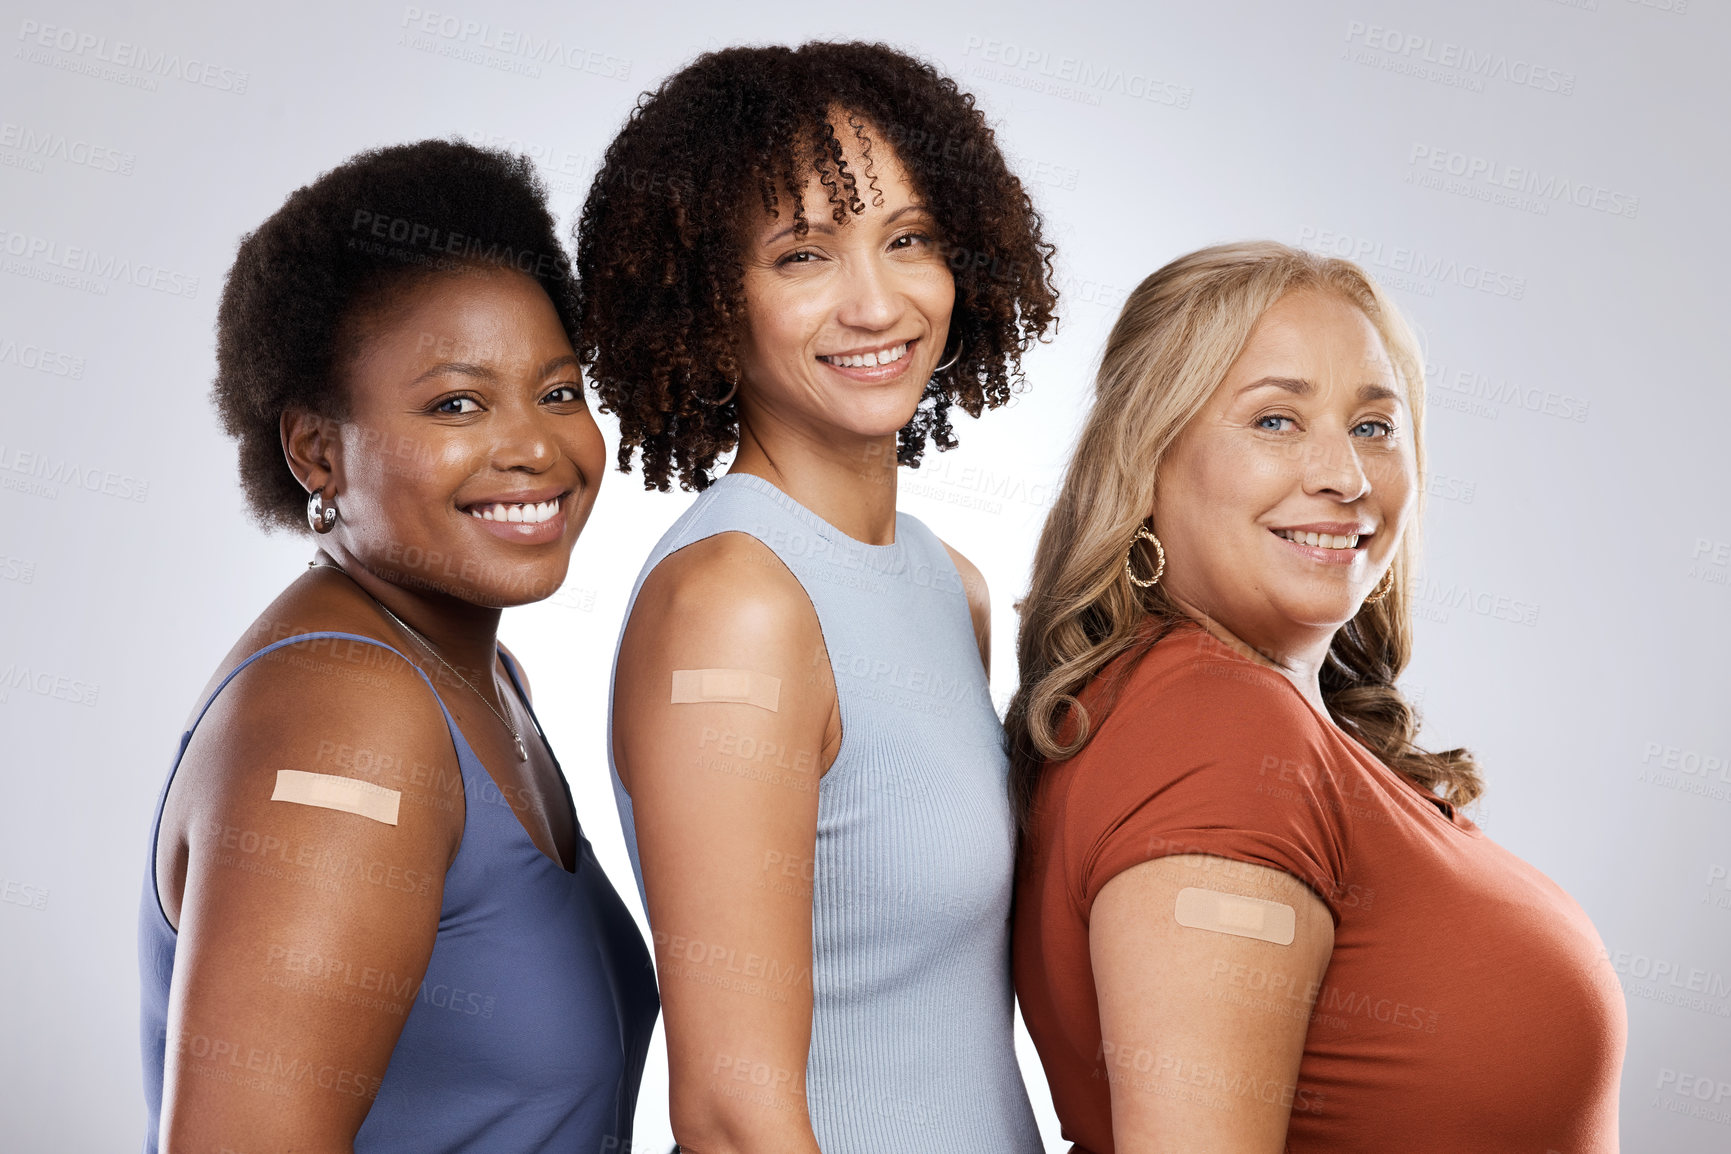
x=845, y=324
x=1283, y=502
x=469, y=461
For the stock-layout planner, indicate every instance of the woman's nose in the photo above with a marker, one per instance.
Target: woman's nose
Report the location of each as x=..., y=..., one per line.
x=869, y=299
x=1332, y=466
x=521, y=438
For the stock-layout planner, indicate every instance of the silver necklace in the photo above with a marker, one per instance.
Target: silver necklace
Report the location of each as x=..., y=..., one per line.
x=516, y=734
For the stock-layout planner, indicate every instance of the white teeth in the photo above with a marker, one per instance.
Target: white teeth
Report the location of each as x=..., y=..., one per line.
x=1320, y=540
x=867, y=360
x=516, y=513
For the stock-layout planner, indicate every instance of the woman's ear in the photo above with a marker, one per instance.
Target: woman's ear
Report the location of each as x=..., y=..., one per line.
x=313, y=450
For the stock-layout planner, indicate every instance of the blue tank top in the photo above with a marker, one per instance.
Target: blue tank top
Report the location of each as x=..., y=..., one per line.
x=912, y=1036
x=531, y=1026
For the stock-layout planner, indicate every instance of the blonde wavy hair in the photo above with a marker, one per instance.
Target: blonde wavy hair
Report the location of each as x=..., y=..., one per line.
x=1178, y=334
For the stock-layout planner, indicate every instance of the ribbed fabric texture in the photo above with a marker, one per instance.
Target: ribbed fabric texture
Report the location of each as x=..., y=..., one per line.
x=912, y=1044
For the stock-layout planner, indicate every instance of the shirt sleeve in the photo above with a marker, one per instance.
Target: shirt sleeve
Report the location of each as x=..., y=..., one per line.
x=1221, y=757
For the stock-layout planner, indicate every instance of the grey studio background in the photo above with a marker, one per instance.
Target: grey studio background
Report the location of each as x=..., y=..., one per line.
x=1540, y=182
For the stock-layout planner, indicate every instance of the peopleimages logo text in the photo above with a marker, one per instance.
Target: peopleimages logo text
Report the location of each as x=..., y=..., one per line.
x=1542, y=186
x=126, y=54
x=94, y=263
x=1469, y=61
x=1402, y=260
x=514, y=42
x=47, y=145
x=1083, y=73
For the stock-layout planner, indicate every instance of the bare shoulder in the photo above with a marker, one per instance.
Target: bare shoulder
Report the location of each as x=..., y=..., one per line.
x=729, y=586
x=973, y=582
x=726, y=602
x=723, y=773
x=332, y=704
x=979, y=602
x=316, y=810
x=298, y=718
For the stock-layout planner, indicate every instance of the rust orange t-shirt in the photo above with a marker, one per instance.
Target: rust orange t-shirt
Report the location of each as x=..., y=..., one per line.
x=1468, y=1004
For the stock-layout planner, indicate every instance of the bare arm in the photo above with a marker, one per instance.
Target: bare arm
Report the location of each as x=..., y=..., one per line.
x=724, y=793
x=979, y=604
x=303, y=931
x=1196, y=1065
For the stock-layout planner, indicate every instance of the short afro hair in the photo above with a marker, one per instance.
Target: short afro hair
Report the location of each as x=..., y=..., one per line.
x=660, y=240
x=387, y=218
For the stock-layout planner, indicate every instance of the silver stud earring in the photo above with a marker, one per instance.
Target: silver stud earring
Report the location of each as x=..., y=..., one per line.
x=320, y=516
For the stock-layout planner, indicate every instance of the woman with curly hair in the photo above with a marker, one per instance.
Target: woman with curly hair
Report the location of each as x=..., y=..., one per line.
x=370, y=919
x=1250, y=916
x=810, y=255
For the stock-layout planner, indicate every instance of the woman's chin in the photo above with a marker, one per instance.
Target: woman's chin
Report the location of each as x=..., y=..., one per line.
x=878, y=411
x=883, y=423
x=526, y=589
x=486, y=581
x=1318, y=612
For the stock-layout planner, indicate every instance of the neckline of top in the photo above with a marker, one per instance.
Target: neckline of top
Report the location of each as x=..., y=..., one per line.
x=1430, y=803
x=577, y=834
x=775, y=493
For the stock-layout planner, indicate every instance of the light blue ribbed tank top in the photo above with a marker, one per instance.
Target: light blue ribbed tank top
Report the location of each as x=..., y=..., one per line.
x=912, y=1042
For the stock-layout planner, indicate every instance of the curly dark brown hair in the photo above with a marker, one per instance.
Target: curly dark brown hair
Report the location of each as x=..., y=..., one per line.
x=338, y=250
x=660, y=241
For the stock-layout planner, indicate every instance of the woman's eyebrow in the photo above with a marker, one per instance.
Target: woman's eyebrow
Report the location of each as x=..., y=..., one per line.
x=824, y=226
x=1376, y=392
x=1295, y=385
x=463, y=368
x=484, y=373
x=1303, y=388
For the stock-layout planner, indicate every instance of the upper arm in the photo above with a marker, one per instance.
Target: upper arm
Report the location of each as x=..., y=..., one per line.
x=979, y=603
x=1196, y=1063
x=303, y=931
x=724, y=795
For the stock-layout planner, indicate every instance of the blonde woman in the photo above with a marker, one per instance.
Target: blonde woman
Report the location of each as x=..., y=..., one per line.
x=1250, y=915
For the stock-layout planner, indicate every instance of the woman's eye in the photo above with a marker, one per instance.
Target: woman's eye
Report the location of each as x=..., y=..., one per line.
x=1271, y=422
x=454, y=406
x=912, y=239
x=564, y=395
x=1378, y=428
x=799, y=256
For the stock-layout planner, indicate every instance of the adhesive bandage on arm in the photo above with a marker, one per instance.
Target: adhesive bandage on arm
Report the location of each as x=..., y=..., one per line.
x=739, y=685
x=329, y=791
x=1235, y=914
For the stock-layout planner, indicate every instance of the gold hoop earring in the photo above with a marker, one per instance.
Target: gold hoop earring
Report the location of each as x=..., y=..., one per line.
x=717, y=404
x=1382, y=587
x=1143, y=532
